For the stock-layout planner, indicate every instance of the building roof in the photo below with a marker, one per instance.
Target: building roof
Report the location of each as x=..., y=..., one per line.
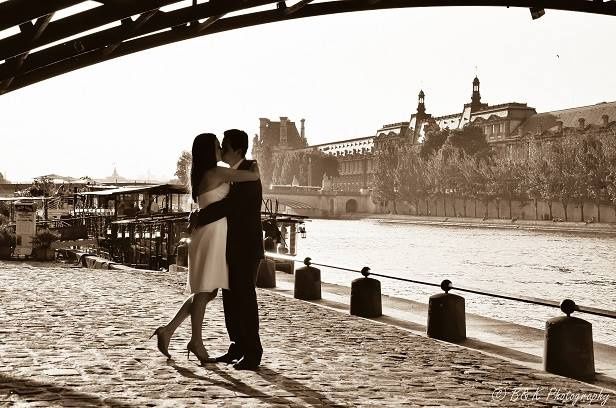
x=592, y=115
x=272, y=134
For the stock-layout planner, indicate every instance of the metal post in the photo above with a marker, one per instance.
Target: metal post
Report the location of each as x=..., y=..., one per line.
x=292, y=237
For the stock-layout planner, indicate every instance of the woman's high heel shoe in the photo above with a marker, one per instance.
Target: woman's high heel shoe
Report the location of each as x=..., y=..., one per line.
x=163, y=346
x=202, y=359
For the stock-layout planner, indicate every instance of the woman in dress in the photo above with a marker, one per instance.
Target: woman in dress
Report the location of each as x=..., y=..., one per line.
x=207, y=263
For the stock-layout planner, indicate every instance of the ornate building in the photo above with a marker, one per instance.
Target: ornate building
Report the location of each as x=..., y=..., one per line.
x=508, y=127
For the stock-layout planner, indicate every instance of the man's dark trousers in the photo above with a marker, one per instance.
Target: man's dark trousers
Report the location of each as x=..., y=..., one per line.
x=241, y=311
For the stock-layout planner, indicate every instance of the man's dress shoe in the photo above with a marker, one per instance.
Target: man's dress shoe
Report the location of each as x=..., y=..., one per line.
x=245, y=364
x=227, y=359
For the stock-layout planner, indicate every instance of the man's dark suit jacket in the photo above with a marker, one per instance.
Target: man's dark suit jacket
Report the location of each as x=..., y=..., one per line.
x=242, y=207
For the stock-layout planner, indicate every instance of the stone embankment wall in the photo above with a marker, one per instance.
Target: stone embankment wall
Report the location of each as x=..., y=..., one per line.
x=522, y=210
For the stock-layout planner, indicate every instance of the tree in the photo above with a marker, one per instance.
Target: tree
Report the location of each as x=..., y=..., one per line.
x=288, y=165
x=471, y=140
x=43, y=187
x=433, y=175
x=489, y=185
x=385, y=187
x=609, y=150
x=411, y=176
x=562, y=158
x=505, y=175
x=322, y=163
x=182, y=168
x=2, y=179
x=266, y=164
x=595, y=168
x=546, y=177
x=473, y=179
x=433, y=141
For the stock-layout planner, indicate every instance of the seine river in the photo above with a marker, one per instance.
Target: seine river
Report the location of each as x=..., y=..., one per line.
x=547, y=265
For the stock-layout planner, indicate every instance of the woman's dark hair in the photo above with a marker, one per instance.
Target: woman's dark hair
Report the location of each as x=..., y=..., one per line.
x=203, y=159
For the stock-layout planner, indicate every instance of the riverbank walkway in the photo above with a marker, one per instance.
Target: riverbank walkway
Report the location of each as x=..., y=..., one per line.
x=574, y=227
x=78, y=337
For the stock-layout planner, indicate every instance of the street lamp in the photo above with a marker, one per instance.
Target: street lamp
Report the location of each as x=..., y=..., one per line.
x=302, y=230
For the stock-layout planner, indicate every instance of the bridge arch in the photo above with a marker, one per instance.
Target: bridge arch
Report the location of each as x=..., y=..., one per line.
x=72, y=44
x=351, y=206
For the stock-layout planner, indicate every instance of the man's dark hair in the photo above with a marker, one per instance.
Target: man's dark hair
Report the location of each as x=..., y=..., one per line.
x=236, y=139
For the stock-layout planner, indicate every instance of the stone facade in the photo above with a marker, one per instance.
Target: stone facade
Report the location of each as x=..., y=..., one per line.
x=509, y=127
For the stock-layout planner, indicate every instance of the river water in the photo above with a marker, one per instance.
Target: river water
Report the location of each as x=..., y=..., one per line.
x=546, y=265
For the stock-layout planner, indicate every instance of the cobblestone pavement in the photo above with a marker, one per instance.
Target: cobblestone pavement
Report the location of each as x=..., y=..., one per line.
x=79, y=337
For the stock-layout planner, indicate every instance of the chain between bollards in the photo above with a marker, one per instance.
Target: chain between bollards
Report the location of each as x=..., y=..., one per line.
x=568, y=306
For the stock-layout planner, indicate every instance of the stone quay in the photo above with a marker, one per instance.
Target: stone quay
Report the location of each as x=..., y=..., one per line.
x=72, y=336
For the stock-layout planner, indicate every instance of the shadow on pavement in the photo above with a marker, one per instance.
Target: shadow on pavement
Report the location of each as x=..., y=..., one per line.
x=293, y=387
x=28, y=389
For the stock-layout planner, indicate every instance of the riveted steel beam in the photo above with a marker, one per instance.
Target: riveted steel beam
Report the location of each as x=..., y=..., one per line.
x=166, y=28
x=76, y=24
x=35, y=31
x=15, y=12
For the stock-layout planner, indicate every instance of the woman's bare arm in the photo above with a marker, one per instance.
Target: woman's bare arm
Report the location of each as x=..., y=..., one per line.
x=232, y=175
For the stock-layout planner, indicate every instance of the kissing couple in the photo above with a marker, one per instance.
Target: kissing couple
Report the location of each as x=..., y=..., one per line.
x=225, y=250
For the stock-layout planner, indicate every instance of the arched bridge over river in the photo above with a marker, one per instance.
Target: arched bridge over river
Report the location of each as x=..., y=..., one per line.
x=314, y=202
x=42, y=47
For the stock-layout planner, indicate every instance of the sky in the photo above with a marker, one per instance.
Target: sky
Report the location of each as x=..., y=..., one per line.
x=346, y=74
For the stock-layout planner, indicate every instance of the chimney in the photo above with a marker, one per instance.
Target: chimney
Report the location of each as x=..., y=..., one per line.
x=302, y=130
x=559, y=123
x=283, y=130
x=582, y=122
x=606, y=120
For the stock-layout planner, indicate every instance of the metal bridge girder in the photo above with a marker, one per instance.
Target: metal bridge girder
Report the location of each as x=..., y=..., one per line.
x=155, y=28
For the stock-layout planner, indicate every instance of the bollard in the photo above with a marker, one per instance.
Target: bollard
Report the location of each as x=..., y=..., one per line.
x=182, y=252
x=446, y=315
x=266, y=276
x=307, y=282
x=366, y=296
x=568, y=348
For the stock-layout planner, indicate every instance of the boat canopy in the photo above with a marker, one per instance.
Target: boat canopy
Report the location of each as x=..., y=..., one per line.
x=157, y=189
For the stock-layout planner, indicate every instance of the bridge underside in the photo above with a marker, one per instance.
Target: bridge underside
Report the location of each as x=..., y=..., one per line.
x=42, y=46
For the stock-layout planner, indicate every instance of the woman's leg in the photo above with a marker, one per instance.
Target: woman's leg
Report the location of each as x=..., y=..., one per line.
x=200, y=301
x=179, y=317
x=164, y=333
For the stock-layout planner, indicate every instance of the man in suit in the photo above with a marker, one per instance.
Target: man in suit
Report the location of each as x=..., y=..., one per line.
x=242, y=207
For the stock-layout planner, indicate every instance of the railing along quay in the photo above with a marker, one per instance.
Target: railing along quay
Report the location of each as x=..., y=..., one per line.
x=568, y=347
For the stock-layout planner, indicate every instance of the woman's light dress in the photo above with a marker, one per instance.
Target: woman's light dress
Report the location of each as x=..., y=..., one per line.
x=207, y=258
